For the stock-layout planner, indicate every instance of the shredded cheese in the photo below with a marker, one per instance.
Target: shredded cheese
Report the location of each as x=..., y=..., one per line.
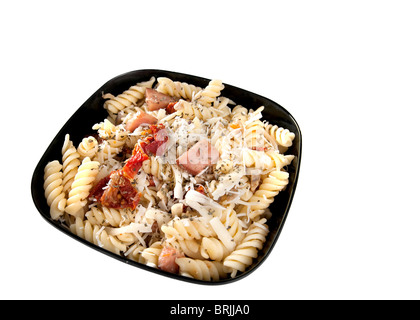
x=223, y=233
x=131, y=228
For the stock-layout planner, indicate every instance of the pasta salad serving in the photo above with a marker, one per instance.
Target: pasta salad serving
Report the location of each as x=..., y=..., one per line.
x=176, y=177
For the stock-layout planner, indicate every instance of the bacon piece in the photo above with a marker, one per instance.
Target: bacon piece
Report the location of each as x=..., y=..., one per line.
x=196, y=159
x=166, y=260
x=156, y=100
x=139, y=119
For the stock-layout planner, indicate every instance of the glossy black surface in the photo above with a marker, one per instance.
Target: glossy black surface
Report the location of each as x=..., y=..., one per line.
x=92, y=111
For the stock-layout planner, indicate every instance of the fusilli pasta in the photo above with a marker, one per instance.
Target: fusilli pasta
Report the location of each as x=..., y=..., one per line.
x=207, y=97
x=247, y=250
x=126, y=99
x=201, y=269
x=176, y=89
x=83, y=181
x=70, y=163
x=282, y=136
x=53, y=186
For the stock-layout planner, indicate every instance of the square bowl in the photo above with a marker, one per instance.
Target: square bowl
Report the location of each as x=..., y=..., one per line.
x=92, y=111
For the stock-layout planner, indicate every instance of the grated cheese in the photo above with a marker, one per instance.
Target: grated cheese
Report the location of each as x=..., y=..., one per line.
x=223, y=233
x=131, y=228
x=204, y=205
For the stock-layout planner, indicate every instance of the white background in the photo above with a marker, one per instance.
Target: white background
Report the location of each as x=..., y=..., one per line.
x=348, y=71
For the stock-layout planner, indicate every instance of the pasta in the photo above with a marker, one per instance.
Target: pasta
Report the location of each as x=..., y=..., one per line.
x=80, y=187
x=177, y=178
x=176, y=89
x=97, y=235
x=53, y=186
x=208, y=96
x=282, y=136
x=269, y=188
x=88, y=147
x=201, y=269
x=108, y=216
x=70, y=163
x=155, y=167
x=247, y=250
x=191, y=110
x=126, y=99
x=151, y=254
x=213, y=249
x=186, y=229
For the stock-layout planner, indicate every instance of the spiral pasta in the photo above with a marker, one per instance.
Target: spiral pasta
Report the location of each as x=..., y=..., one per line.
x=88, y=147
x=151, y=254
x=271, y=185
x=266, y=160
x=126, y=99
x=134, y=253
x=221, y=104
x=207, y=97
x=201, y=269
x=191, y=110
x=70, y=162
x=278, y=160
x=230, y=219
x=239, y=114
x=254, y=135
x=108, y=216
x=282, y=136
x=213, y=249
x=247, y=250
x=190, y=248
x=186, y=229
x=113, y=140
x=150, y=197
x=176, y=89
x=81, y=186
x=157, y=168
x=53, y=186
x=257, y=159
x=97, y=235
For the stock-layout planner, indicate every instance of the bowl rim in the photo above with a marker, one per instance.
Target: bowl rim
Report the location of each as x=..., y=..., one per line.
x=43, y=160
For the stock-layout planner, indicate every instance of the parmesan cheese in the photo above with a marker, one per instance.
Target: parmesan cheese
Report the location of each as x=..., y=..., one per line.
x=223, y=233
x=131, y=228
x=203, y=205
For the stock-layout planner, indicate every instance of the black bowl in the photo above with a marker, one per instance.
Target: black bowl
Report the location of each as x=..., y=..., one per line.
x=92, y=111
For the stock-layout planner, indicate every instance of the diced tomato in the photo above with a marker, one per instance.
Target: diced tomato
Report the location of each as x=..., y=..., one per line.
x=134, y=164
x=170, y=108
x=97, y=191
x=158, y=146
x=152, y=147
x=120, y=193
x=200, y=189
